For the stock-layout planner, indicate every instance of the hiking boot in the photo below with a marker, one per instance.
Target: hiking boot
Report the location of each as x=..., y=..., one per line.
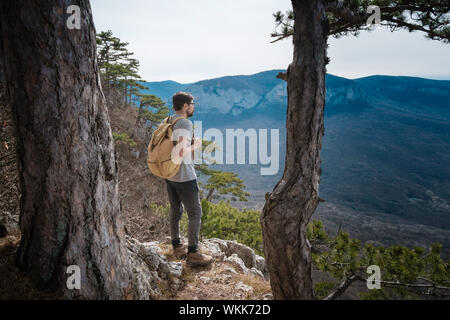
x=180, y=252
x=198, y=259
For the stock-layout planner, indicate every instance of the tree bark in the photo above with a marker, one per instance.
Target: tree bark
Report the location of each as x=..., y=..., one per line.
x=342, y=287
x=288, y=209
x=126, y=92
x=138, y=119
x=70, y=207
x=210, y=194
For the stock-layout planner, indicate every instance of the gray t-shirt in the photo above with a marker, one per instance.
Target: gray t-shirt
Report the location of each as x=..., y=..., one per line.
x=187, y=171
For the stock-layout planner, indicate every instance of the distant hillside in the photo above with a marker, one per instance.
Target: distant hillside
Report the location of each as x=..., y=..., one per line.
x=386, y=148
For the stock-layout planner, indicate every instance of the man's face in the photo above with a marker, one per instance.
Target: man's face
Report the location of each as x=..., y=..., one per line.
x=190, y=109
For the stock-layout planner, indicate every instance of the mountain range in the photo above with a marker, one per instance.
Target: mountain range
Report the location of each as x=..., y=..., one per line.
x=386, y=147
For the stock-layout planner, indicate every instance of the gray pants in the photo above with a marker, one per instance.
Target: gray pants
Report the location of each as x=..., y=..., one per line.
x=188, y=194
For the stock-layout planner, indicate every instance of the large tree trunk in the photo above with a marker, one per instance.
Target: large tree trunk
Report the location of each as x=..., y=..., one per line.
x=291, y=204
x=70, y=207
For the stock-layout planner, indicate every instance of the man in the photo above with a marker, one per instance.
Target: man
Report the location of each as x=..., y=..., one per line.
x=183, y=187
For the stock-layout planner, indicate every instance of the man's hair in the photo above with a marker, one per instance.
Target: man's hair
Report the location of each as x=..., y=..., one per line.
x=180, y=98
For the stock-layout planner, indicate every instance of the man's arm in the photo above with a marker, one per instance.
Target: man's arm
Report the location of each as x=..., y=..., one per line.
x=184, y=148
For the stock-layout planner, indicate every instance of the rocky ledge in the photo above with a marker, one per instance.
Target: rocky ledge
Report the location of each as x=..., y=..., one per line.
x=237, y=272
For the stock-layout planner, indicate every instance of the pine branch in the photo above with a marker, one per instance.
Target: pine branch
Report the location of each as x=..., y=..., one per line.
x=281, y=36
x=348, y=17
x=342, y=287
x=416, y=27
x=419, y=289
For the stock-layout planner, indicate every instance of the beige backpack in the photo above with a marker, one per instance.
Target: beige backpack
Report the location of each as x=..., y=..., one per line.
x=159, y=150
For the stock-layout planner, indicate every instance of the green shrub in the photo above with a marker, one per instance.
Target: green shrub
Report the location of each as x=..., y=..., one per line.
x=124, y=138
x=223, y=221
x=323, y=288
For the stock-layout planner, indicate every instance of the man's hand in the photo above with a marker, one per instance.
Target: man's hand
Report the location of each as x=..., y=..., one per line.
x=181, y=145
x=184, y=149
x=196, y=143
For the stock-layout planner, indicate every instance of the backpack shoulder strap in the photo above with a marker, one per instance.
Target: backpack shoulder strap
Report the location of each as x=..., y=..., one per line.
x=174, y=121
x=170, y=120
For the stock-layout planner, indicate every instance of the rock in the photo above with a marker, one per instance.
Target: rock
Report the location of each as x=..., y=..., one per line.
x=245, y=288
x=228, y=247
x=221, y=244
x=164, y=270
x=245, y=253
x=229, y=270
x=268, y=296
x=148, y=251
x=152, y=271
x=214, y=249
x=175, y=269
x=145, y=282
x=261, y=266
x=260, y=263
x=140, y=132
x=225, y=100
x=224, y=278
x=205, y=280
x=152, y=244
x=3, y=231
x=9, y=225
x=176, y=284
x=135, y=153
x=236, y=262
x=160, y=274
x=256, y=272
x=224, y=250
x=150, y=256
x=167, y=240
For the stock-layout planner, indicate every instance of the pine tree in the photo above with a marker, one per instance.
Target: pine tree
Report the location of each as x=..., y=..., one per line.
x=120, y=70
x=291, y=204
x=224, y=182
x=158, y=110
x=404, y=273
x=129, y=79
x=110, y=52
x=70, y=213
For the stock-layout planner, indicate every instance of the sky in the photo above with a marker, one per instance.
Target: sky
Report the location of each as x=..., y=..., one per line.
x=189, y=41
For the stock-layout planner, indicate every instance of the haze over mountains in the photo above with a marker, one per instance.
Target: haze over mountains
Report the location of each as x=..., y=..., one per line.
x=385, y=152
